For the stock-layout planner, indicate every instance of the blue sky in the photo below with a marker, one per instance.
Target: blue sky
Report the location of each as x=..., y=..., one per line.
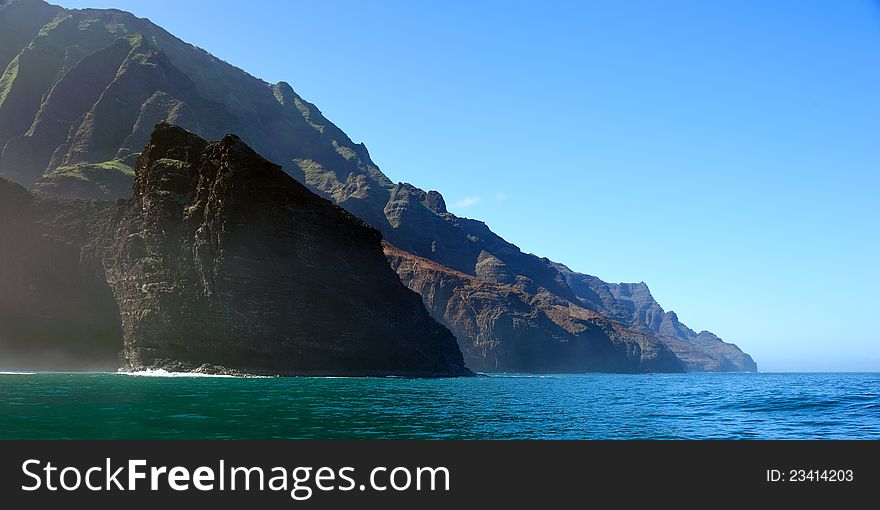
x=726, y=153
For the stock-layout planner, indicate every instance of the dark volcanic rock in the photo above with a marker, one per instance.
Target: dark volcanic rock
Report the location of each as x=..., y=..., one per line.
x=81, y=97
x=222, y=259
x=501, y=328
x=56, y=310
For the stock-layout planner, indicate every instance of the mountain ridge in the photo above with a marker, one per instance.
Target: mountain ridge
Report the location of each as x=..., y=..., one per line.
x=161, y=78
x=503, y=327
x=633, y=305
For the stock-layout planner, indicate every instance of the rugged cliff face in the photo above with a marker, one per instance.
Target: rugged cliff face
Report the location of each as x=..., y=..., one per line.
x=503, y=328
x=633, y=305
x=56, y=310
x=220, y=259
x=82, y=90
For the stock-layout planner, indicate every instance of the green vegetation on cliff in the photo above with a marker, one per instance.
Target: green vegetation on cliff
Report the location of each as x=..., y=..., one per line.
x=83, y=90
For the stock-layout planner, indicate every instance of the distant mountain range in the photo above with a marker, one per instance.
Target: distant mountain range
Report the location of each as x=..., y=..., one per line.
x=83, y=89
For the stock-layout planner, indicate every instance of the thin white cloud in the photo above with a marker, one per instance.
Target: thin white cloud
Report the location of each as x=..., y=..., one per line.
x=467, y=202
x=501, y=196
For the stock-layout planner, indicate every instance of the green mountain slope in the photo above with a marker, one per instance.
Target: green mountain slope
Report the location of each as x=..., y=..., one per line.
x=82, y=90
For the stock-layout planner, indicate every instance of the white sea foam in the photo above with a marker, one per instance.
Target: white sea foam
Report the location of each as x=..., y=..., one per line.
x=516, y=376
x=15, y=373
x=164, y=373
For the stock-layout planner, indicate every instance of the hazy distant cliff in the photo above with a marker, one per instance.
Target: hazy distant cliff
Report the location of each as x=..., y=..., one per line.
x=633, y=305
x=56, y=309
x=503, y=328
x=81, y=90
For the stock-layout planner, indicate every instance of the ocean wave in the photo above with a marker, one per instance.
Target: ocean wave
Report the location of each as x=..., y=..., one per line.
x=161, y=372
x=3, y=372
x=516, y=376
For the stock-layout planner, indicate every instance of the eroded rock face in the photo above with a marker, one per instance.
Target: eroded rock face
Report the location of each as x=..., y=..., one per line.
x=220, y=259
x=633, y=305
x=56, y=310
x=502, y=328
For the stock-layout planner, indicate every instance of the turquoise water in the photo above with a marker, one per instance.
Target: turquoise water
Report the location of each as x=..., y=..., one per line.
x=594, y=406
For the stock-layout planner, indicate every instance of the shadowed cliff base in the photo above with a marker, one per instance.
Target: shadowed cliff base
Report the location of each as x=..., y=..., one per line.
x=56, y=310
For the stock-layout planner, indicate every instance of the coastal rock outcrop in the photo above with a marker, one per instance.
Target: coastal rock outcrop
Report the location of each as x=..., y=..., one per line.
x=220, y=259
x=633, y=305
x=502, y=328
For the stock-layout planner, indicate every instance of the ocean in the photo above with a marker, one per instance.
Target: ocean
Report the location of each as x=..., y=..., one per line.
x=508, y=406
